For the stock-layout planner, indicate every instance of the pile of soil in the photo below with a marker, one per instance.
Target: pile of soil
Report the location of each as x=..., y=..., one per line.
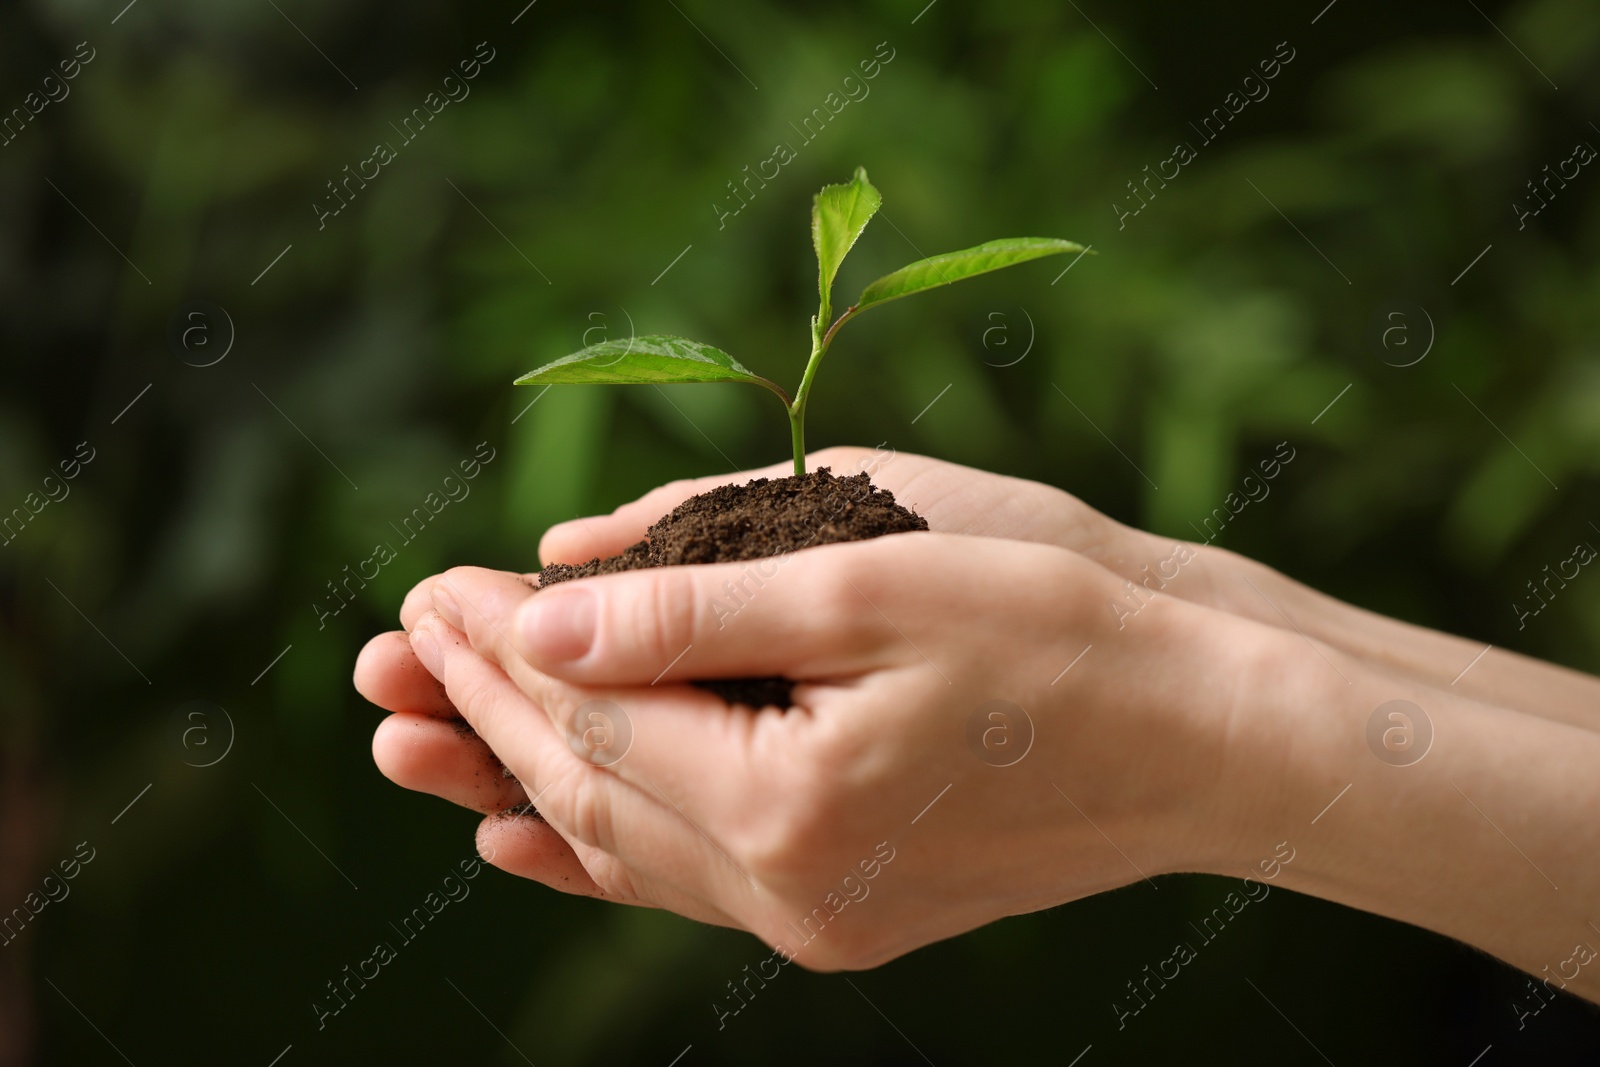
x=764, y=517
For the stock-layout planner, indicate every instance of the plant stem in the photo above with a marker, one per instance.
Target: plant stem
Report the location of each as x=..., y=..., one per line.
x=827, y=338
x=797, y=411
x=797, y=432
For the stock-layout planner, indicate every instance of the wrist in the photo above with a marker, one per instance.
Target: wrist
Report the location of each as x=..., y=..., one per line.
x=1420, y=805
x=1215, y=685
x=1280, y=725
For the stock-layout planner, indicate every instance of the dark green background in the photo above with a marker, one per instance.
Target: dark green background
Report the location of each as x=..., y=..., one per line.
x=597, y=141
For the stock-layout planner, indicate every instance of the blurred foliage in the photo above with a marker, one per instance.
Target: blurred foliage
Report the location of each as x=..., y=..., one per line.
x=589, y=155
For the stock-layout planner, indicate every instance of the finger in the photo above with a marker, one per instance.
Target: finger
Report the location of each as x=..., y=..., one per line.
x=524, y=844
x=655, y=726
x=805, y=615
x=450, y=761
x=664, y=855
x=583, y=539
x=387, y=673
x=446, y=759
x=529, y=847
x=419, y=600
x=481, y=603
x=681, y=746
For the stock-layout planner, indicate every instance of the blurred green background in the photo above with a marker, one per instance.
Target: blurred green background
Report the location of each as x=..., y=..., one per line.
x=550, y=202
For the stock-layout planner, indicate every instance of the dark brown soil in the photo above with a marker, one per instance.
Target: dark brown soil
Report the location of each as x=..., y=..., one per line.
x=764, y=517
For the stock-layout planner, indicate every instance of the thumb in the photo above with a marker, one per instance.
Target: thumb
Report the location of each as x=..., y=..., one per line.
x=808, y=615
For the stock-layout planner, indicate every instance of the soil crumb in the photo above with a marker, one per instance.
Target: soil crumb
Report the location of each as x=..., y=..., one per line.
x=521, y=811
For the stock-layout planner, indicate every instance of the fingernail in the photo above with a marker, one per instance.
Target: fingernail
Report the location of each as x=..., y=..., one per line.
x=444, y=602
x=426, y=646
x=558, y=626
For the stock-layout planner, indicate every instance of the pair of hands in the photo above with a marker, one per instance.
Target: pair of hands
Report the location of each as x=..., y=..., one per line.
x=1155, y=752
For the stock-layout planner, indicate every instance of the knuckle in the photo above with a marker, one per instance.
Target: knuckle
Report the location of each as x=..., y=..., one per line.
x=471, y=691
x=664, y=614
x=571, y=801
x=838, y=588
x=611, y=876
x=457, y=579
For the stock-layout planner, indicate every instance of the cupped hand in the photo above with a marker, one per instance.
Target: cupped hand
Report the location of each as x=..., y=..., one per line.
x=953, y=498
x=1177, y=736
x=885, y=810
x=450, y=761
x=956, y=499
x=964, y=500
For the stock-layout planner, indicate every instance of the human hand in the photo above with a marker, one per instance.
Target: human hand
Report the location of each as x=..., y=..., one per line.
x=1296, y=717
x=761, y=820
x=964, y=500
x=419, y=749
x=957, y=499
x=953, y=498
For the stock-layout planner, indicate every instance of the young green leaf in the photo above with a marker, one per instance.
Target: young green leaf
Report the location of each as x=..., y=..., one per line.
x=954, y=266
x=838, y=215
x=654, y=359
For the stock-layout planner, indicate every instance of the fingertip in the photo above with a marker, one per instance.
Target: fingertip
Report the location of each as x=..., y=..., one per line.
x=374, y=656
x=522, y=843
x=416, y=603
x=564, y=543
x=444, y=759
x=428, y=641
x=388, y=674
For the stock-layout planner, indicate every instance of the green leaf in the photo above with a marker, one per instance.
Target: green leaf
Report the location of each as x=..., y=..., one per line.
x=655, y=359
x=838, y=215
x=935, y=271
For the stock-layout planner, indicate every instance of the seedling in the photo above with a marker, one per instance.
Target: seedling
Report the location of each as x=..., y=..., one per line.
x=838, y=215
